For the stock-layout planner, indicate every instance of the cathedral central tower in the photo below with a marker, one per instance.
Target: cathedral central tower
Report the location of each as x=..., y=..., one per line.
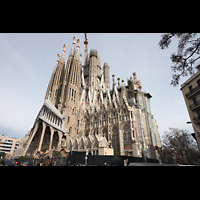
x=92, y=71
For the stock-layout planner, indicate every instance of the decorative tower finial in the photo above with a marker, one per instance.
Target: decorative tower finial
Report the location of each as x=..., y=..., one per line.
x=134, y=77
x=74, y=41
x=113, y=78
x=113, y=81
x=64, y=48
x=58, y=58
x=78, y=45
x=118, y=81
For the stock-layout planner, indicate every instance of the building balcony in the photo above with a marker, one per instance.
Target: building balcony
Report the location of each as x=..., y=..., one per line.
x=193, y=92
x=196, y=120
x=195, y=106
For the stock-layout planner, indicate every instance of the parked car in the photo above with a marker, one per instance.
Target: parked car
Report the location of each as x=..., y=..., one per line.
x=24, y=164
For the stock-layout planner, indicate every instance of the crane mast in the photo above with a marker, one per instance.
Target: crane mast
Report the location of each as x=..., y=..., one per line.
x=86, y=50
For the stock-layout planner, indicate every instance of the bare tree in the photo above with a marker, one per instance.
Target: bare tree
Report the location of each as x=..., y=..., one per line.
x=179, y=144
x=188, y=52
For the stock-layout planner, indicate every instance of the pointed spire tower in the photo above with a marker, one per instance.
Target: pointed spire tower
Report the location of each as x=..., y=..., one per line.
x=63, y=99
x=70, y=89
x=58, y=79
x=49, y=89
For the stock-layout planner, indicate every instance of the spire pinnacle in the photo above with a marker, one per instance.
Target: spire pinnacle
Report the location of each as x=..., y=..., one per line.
x=62, y=59
x=64, y=48
x=58, y=56
x=118, y=81
x=74, y=41
x=78, y=45
x=113, y=79
x=73, y=46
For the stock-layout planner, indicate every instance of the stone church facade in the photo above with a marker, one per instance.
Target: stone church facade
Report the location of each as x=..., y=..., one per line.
x=84, y=111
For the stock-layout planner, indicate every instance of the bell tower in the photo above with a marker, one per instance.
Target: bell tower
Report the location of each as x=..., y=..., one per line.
x=56, y=81
x=70, y=89
x=92, y=71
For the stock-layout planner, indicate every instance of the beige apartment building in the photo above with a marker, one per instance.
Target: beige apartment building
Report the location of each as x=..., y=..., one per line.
x=191, y=94
x=8, y=145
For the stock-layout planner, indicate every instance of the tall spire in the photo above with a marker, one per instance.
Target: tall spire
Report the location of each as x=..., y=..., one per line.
x=73, y=47
x=49, y=88
x=62, y=59
x=78, y=45
x=106, y=73
x=77, y=54
x=58, y=79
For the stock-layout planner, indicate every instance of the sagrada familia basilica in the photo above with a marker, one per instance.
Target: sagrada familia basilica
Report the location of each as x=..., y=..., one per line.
x=84, y=111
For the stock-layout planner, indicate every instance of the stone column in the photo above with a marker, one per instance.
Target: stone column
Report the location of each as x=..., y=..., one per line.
x=121, y=143
x=59, y=141
x=51, y=138
x=42, y=136
x=31, y=137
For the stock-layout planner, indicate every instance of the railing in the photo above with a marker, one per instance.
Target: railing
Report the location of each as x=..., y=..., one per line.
x=192, y=91
x=196, y=104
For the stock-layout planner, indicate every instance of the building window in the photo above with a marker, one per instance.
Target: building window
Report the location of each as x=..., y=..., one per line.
x=70, y=130
x=127, y=133
x=68, y=119
x=198, y=82
x=195, y=101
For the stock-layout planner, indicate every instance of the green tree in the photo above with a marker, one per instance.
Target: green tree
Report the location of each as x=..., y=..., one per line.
x=21, y=159
x=179, y=144
x=116, y=160
x=188, y=52
x=57, y=158
x=57, y=155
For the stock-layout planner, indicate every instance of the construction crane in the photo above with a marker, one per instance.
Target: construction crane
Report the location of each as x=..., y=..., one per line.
x=86, y=50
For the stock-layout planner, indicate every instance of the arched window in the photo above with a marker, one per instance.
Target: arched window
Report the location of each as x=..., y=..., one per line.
x=115, y=140
x=70, y=130
x=105, y=133
x=68, y=119
x=127, y=133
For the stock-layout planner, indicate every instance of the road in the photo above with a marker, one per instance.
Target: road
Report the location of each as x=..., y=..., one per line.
x=148, y=164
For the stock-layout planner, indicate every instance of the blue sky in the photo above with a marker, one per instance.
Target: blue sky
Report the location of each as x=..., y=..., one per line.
x=27, y=61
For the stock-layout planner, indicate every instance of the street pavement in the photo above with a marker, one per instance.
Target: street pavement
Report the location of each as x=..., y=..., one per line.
x=148, y=164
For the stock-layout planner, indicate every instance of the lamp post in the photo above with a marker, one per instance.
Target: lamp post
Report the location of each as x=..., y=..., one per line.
x=86, y=157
